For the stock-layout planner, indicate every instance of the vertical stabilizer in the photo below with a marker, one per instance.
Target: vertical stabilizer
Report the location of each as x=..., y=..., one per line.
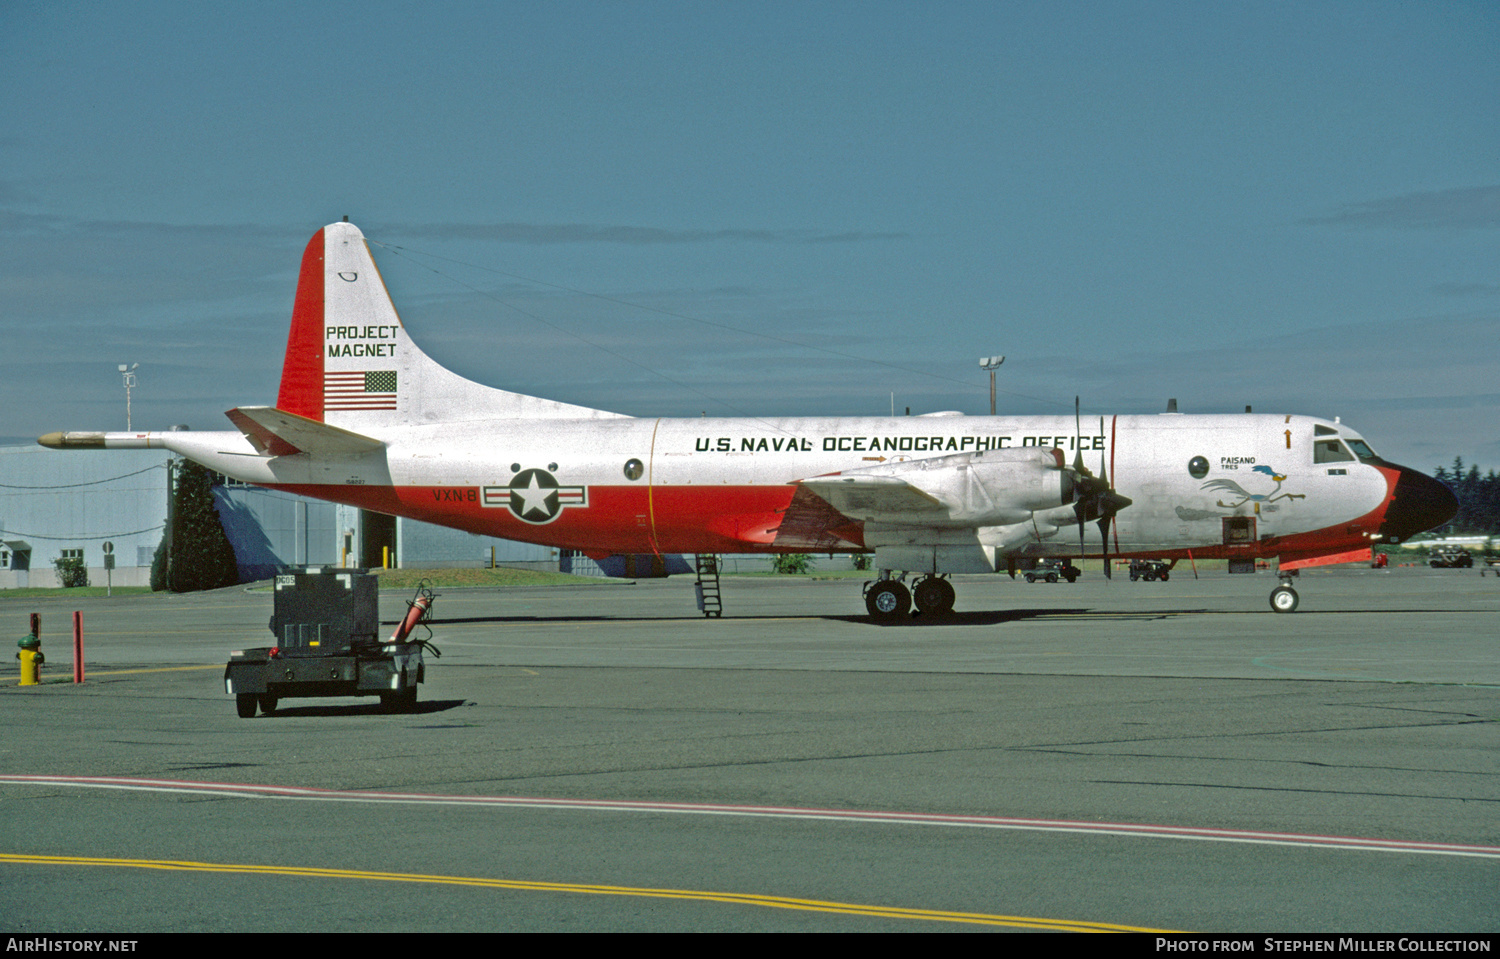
x=350, y=363
x=302, y=370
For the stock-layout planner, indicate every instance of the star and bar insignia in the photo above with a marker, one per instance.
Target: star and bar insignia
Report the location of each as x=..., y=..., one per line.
x=535, y=496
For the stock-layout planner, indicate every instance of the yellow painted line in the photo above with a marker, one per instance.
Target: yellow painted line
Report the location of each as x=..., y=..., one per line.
x=88, y=674
x=154, y=669
x=440, y=628
x=92, y=634
x=732, y=898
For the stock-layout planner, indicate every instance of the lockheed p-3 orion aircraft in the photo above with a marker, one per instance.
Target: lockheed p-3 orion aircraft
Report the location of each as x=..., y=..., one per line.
x=364, y=417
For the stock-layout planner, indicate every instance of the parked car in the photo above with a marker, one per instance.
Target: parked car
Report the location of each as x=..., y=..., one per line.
x=1149, y=570
x=1449, y=557
x=1050, y=570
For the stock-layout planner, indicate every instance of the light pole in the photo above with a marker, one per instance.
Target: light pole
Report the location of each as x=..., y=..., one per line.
x=991, y=363
x=128, y=372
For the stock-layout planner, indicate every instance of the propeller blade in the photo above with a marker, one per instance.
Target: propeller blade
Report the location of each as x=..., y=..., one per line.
x=1082, y=552
x=1094, y=498
x=1106, y=502
x=1078, y=466
x=1088, y=488
x=1104, y=536
x=1103, y=472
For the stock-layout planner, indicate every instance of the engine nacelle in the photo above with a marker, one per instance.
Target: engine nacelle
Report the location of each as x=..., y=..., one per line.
x=1043, y=525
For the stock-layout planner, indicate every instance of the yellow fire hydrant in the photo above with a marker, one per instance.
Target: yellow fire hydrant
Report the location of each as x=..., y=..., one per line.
x=31, y=659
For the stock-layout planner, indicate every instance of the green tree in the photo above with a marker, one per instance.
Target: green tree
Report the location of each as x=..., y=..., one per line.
x=194, y=553
x=1478, y=498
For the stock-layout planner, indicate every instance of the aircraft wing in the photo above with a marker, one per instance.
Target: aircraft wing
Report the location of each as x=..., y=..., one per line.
x=946, y=493
x=865, y=496
x=279, y=433
x=811, y=523
x=819, y=515
x=989, y=488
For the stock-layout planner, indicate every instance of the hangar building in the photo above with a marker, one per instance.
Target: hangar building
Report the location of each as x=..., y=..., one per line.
x=70, y=505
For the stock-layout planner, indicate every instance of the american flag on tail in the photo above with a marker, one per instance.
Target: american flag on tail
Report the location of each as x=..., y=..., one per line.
x=360, y=390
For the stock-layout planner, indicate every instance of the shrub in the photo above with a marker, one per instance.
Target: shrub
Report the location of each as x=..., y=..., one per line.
x=792, y=563
x=71, y=572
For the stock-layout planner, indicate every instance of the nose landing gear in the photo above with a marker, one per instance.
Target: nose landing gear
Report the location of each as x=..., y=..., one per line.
x=1284, y=599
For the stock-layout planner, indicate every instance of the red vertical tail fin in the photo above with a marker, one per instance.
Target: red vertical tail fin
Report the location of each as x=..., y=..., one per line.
x=349, y=362
x=302, y=371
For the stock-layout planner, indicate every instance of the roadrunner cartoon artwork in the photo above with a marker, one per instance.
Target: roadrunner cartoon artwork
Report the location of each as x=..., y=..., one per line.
x=1259, y=499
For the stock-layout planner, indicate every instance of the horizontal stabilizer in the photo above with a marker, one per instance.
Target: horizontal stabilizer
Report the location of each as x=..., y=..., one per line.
x=279, y=433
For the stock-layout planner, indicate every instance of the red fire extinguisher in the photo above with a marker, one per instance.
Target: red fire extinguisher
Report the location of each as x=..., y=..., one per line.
x=417, y=611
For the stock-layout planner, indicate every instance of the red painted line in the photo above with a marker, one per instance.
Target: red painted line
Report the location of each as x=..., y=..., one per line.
x=1139, y=830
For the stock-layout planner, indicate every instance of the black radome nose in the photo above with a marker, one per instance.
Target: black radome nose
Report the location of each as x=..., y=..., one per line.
x=1420, y=503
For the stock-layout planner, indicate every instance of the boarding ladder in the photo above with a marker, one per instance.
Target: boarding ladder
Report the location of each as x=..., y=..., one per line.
x=707, y=584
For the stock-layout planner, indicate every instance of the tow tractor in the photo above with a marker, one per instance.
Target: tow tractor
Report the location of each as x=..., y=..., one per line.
x=326, y=621
x=1150, y=570
x=1049, y=569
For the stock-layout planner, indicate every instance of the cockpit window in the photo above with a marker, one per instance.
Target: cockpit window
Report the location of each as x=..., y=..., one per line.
x=1320, y=430
x=1331, y=451
x=1361, y=449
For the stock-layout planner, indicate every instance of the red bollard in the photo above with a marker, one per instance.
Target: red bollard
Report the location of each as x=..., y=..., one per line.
x=78, y=646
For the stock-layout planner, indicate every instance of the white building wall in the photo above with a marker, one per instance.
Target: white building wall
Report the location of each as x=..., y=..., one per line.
x=270, y=528
x=425, y=546
x=53, y=501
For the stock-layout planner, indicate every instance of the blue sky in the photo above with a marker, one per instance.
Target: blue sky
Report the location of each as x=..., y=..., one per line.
x=770, y=208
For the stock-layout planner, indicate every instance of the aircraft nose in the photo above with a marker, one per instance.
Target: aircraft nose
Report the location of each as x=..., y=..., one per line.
x=1420, y=503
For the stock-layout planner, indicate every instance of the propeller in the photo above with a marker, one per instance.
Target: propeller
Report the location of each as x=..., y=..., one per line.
x=1094, y=498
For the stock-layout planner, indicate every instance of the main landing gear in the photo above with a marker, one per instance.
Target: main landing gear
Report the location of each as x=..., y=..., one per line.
x=1284, y=599
x=888, y=599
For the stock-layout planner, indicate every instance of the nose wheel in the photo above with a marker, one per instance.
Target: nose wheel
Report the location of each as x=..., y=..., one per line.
x=1284, y=599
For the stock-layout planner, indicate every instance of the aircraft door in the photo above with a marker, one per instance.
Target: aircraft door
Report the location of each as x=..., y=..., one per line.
x=377, y=539
x=1239, y=537
x=647, y=519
